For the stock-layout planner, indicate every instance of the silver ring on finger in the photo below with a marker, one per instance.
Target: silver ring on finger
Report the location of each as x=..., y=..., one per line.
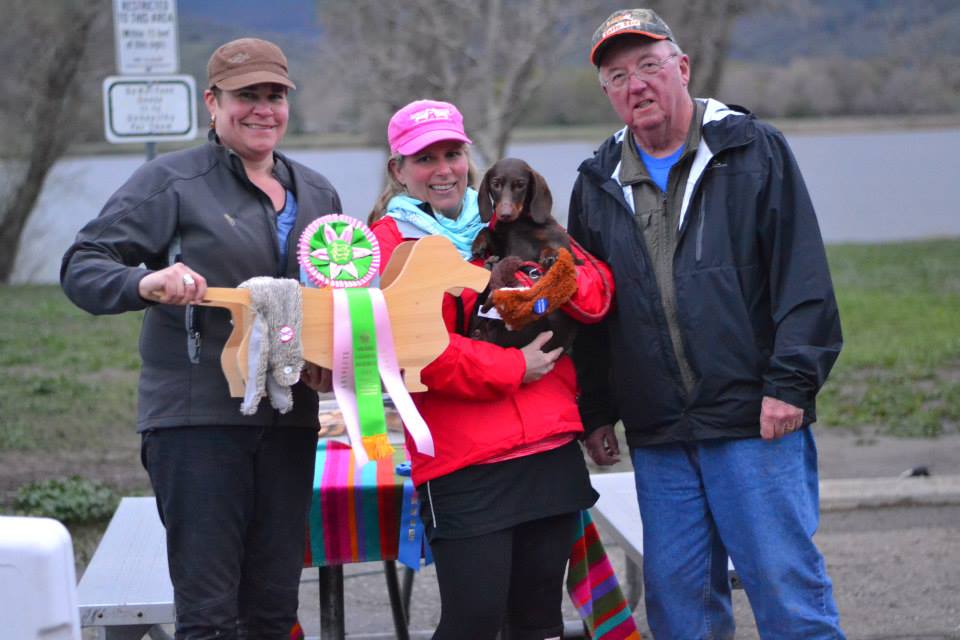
x=188, y=280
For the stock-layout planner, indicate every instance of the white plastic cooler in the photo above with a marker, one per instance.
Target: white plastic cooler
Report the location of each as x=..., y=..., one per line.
x=38, y=593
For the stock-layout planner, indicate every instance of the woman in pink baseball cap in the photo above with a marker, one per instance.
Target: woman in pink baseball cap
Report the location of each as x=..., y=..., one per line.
x=430, y=176
x=500, y=500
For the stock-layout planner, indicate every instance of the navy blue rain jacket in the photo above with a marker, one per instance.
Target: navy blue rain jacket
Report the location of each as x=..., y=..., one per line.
x=756, y=305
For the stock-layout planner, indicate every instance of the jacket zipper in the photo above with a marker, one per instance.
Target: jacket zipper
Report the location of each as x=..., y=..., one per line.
x=703, y=214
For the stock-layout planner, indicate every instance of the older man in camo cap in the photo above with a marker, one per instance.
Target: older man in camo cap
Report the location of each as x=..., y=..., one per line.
x=725, y=328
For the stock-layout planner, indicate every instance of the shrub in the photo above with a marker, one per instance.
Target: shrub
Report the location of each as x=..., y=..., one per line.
x=72, y=500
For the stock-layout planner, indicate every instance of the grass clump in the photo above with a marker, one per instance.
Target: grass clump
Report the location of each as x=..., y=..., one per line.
x=73, y=500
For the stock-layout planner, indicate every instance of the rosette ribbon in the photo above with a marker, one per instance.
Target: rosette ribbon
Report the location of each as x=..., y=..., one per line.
x=363, y=348
x=339, y=251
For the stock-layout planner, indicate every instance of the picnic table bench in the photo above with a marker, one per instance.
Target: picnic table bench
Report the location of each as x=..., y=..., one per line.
x=125, y=591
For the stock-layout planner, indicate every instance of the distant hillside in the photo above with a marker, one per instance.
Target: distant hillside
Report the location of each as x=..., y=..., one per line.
x=852, y=28
x=807, y=58
x=849, y=28
x=276, y=16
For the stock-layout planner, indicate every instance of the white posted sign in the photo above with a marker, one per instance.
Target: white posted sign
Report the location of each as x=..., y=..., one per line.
x=149, y=108
x=146, y=34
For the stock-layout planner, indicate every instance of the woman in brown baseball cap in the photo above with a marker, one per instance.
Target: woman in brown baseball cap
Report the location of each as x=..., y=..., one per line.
x=232, y=489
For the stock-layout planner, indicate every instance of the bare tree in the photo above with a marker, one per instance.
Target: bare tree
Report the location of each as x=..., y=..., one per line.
x=44, y=46
x=489, y=57
x=702, y=28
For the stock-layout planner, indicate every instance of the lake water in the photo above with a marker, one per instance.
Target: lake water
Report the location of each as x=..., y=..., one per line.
x=867, y=187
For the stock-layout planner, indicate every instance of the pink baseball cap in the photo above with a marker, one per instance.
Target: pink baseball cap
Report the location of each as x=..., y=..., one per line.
x=423, y=122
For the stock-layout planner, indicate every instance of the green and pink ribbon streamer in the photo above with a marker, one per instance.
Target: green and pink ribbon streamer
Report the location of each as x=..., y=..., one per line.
x=363, y=347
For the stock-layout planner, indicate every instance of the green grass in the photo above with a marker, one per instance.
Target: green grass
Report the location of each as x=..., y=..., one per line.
x=900, y=367
x=69, y=378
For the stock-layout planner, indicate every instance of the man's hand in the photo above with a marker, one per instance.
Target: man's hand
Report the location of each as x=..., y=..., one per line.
x=317, y=378
x=778, y=418
x=602, y=445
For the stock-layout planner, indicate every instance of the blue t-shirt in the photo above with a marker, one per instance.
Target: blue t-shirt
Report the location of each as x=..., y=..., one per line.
x=286, y=218
x=659, y=168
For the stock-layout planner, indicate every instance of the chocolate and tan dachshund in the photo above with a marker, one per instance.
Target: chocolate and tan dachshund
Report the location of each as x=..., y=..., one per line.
x=524, y=236
x=525, y=226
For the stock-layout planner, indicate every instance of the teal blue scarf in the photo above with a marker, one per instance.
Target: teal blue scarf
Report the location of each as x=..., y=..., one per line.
x=460, y=232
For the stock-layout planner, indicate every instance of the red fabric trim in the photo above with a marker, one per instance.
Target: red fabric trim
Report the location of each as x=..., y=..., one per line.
x=595, y=288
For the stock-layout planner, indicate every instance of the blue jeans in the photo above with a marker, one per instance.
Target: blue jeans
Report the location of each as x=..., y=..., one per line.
x=753, y=499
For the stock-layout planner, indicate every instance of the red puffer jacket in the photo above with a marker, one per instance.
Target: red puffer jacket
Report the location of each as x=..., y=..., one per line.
x=477, y=407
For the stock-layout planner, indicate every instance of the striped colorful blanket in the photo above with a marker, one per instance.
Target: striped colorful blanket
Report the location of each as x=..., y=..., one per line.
x=594, y=589
x=356, y=515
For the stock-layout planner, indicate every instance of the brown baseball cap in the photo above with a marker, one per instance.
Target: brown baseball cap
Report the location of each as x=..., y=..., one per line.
x=641, y=22
x=247, y=61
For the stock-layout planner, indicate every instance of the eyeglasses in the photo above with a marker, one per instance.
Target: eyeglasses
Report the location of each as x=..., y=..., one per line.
x=644, y=70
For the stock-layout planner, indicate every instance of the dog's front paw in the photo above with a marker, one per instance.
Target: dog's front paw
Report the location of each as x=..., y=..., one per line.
x=491, y=262
x=547, y=259
x=504, y=273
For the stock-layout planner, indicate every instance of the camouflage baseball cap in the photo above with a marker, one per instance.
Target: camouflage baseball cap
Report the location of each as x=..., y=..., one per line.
x=643, y=22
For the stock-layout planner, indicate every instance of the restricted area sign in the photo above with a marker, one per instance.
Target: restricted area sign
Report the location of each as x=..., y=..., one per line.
x=146, y=35
x=149, y=108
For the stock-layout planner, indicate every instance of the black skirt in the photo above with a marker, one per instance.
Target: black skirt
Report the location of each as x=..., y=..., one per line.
x=489, y=497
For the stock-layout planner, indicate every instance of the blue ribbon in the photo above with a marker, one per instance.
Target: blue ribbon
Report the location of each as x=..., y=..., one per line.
x=413, y=543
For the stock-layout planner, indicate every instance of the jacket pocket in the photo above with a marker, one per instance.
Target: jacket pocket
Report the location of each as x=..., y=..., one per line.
x=721, y=338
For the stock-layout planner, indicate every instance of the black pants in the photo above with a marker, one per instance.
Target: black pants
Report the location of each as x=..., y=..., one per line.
x=511, y=579
x=234, y=502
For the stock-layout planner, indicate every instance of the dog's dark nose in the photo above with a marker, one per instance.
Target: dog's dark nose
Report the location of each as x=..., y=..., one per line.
x=507, y=211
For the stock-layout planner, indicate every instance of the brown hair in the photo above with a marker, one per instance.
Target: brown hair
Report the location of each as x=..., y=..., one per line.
x=393, y=187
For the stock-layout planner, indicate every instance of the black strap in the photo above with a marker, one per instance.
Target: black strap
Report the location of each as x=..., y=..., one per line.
x=461, y=326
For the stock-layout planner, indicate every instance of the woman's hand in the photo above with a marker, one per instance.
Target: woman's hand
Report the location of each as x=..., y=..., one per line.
x=317, y=378
x=177, y=284
x=539, y=363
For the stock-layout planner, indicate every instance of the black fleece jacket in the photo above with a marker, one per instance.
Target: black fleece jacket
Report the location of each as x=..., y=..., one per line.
x=196, y=206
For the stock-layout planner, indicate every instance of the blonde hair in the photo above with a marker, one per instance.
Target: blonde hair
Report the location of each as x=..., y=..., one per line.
x=394, y=187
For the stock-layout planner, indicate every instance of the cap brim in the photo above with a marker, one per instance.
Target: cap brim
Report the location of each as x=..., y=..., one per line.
x=598, y=48
x=427, y=138
x=254, y=77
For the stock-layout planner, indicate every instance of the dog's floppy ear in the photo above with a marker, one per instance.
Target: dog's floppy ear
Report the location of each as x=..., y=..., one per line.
x=483, y=197
x=541, y=200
